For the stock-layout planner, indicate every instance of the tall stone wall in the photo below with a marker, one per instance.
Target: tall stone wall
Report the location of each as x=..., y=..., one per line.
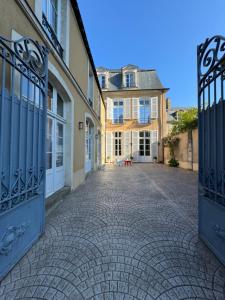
x=185, y=153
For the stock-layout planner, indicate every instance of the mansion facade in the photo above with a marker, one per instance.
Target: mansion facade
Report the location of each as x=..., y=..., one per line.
x=136, y=118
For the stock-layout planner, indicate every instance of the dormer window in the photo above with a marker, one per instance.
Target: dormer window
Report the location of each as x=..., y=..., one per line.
x=129, y=80
x=102, y=81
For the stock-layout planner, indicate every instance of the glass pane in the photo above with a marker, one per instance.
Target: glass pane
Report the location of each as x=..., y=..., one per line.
x=50, y=96
x=53, y=14
x=49, y=144
x=48, y=161
x=60, y=144
x=59, y=159
x=59, y=106
x=141, y=153
x=141, y=134
x=49, y=127
x=59, y=132
x=147, y=133
x=44, y=7
x=147, y=153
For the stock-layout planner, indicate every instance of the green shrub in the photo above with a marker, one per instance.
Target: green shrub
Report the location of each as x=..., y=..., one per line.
x=173, y=163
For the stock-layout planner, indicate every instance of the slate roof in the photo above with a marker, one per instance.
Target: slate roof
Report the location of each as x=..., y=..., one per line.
x=147, y=79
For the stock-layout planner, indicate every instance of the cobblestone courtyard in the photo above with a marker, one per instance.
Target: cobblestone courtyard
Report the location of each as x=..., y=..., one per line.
x=127, y=233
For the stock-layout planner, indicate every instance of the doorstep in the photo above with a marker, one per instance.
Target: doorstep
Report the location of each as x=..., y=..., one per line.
x=56, y=198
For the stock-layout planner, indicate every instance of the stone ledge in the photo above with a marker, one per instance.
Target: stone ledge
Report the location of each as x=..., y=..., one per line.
x=54, y=199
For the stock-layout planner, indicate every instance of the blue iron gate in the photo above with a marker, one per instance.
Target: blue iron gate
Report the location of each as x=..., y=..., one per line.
x=23, y=86
x=211, y=104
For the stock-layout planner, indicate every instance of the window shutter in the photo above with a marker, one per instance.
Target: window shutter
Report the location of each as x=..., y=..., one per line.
x=109, y=146
x=127, y=144
x=154, y=107
x=135, y=105
x=109, y=104
x=127, y=108
x=135, y=144
x=154, y=143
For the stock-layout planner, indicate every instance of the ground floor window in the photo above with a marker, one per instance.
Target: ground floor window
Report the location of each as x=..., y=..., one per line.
x=88, y=140
x=144, y=143
x=55, y=142
x=117, y=143
x=89, y=145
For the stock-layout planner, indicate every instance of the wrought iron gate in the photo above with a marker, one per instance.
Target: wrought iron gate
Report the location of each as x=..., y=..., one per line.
x=211, y=104
x=23, y=86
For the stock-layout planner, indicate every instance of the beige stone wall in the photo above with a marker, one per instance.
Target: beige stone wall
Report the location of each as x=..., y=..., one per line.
x=74, y=76
x=159, y=124
x=188, y=158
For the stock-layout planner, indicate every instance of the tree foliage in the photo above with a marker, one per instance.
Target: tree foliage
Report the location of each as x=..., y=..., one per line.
x=187, y=121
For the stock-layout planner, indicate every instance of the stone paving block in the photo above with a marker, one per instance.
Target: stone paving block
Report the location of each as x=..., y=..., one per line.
x=124, y=234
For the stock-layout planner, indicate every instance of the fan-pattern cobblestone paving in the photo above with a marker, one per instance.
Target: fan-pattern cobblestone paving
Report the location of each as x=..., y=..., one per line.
x=127, y=233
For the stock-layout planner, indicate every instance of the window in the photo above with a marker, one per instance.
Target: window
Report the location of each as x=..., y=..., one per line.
x=55, y=129
x=60, y=111
x=144, y=111
x=144, y=143
x=49, y=144
x=118, y=112
x=90, y=88
x=102, y=81
x=50, y=10
x=50, y=96
x=129, y=80
x=59, y=145
x=88, y=140
x=117, y=143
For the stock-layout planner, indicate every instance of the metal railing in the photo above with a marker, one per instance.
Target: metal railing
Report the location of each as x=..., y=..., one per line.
x=51, y=34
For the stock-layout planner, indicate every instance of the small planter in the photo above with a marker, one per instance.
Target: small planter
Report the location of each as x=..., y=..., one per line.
x=155, y=159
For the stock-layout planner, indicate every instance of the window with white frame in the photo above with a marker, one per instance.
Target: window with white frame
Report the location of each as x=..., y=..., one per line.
x=144, y=111
x=55, y=129
x=102, y=81
x=88, y=141
x=129, y=79
x=90, y=88
x=144, y=143
x=50, y=10
x=117, y=143
x=118, y=111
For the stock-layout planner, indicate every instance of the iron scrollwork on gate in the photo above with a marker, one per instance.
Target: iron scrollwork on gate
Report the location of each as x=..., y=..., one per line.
x=211, y=78
x=23, y=89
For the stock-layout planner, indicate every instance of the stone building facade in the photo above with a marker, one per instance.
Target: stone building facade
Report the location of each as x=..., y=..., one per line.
x=76, y=111
x=136, y=119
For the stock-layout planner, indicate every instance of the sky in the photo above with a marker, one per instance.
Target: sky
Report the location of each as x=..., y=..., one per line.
x=154, y=34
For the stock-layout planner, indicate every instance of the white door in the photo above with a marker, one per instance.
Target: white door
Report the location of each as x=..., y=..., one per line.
x=145, y=154
x=89, y=146
x=55, y=171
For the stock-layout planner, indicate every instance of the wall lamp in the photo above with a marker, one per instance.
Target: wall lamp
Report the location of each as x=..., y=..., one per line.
x=81, y=125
